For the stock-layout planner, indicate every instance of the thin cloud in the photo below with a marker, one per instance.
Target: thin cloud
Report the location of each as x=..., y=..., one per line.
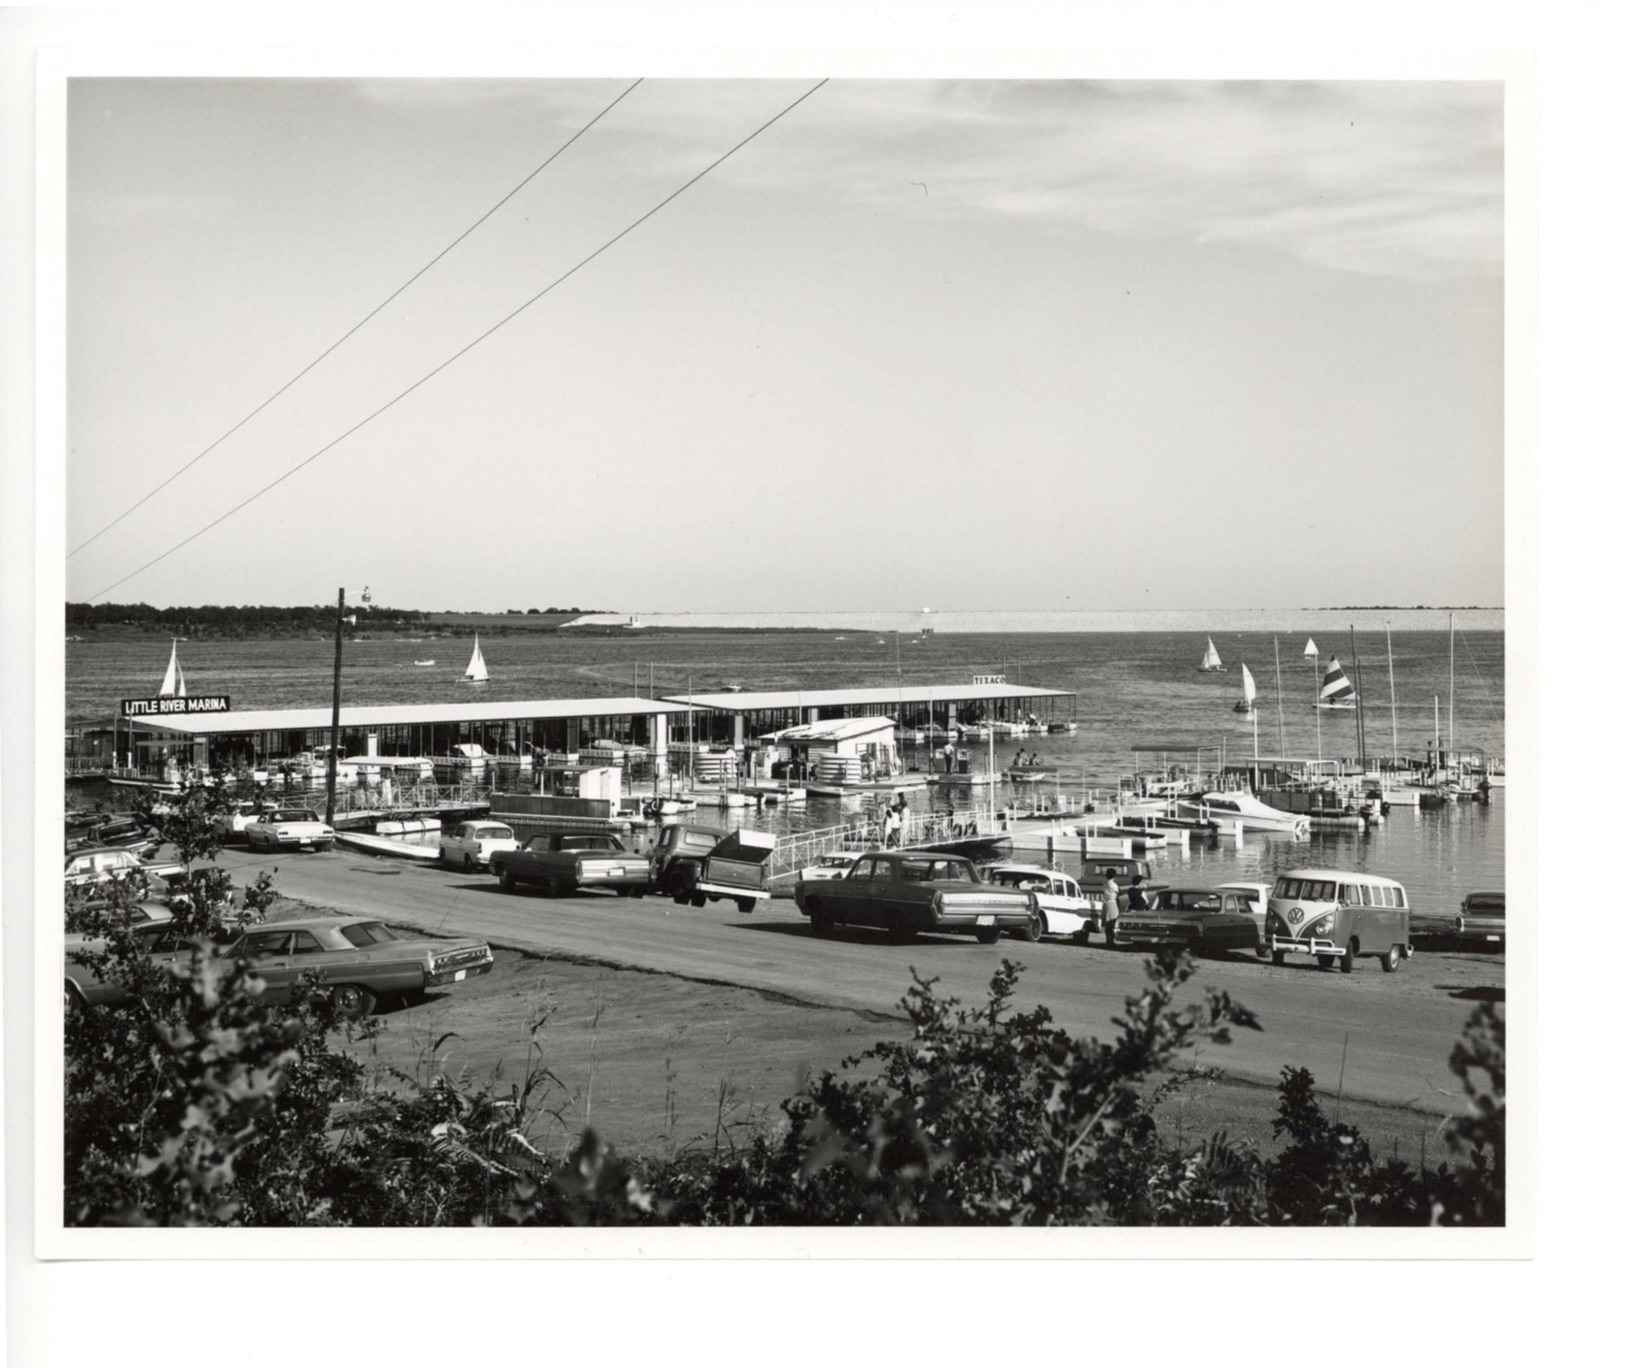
x=1394, y=178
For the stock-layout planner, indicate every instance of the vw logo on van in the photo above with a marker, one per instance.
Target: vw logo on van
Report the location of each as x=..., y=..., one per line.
x=1295, y=915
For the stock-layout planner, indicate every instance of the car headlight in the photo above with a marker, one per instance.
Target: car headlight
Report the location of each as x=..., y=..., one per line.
x=1322, y=927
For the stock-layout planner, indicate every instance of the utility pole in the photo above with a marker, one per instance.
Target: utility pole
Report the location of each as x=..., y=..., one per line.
x=333, y=744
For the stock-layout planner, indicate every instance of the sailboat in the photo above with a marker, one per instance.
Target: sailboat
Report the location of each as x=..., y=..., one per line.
x=1210, y=661
x=1335, y=689
x=174, y=685
x=1311, y=649
x=476, y=672
x=1249, y=691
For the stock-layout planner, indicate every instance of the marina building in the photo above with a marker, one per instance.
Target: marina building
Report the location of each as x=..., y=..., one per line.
x=515, y=730
x=519, y=730
x=734, y=718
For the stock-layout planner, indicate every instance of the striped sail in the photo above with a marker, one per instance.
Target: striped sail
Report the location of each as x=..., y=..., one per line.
x=1335, y=689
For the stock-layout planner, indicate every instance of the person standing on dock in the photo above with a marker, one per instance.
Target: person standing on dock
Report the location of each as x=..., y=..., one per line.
x=948, y=757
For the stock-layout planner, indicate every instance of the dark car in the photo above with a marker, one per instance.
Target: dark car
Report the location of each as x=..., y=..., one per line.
x=1204, y=920
x=1483, y=918
x=567, y=861
x=903, y=892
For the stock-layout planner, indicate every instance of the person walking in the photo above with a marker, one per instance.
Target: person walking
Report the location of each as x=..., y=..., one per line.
x=893, y=826
x=1108, y=907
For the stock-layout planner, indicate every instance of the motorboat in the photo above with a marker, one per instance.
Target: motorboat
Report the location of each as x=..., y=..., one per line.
x=1253, y=815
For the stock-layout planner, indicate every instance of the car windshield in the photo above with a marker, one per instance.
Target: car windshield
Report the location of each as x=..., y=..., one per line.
x=363, y=934
x=494, y=832
x=1487, y=902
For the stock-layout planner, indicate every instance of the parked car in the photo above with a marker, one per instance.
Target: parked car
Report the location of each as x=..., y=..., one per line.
x=1092, y=883
x=831, y=866
x=693, y=864
x=232, y=826
x=82, y=988
x=82, y=868
x=1207, y=921
x=1061, y=902
x=112, y=833
x=1483, y=918
x=1337, y=916
x=1258, y=899
x=904, y=892
x=289, y=829
x=567, y=861
x=358, y=959
x=471, y=844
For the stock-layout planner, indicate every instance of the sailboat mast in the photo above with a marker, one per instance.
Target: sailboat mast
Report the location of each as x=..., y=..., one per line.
x=1280, y=720
x=1452, y=682
x=1393, y=707
x=1314, y=689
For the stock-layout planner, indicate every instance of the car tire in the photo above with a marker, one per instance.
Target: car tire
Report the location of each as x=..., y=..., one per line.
x=1326, y=961
x=639, y=892
x=445, y=859
x=509, y=883
x=746, y=904
x=1032, y=930
x=1346, y=960
x=987, y=935
x=324, y=846
x=1277, y=956
x=823, y=926
x=468, y=864
x=352, y=1001
x=1081, y=937
x=1391, y=959
x=623, y=892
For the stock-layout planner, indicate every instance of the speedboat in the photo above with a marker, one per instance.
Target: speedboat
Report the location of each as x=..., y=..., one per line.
x=1252, y=814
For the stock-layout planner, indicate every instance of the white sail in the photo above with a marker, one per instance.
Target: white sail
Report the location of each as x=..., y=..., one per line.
x=1311, y=649
x=1249, y=690
x=1210, y=660
x=476, y=672
x=174, y=685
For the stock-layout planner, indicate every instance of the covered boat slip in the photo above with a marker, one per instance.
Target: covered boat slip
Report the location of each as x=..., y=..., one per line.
x=227, y=741
x=735, y=718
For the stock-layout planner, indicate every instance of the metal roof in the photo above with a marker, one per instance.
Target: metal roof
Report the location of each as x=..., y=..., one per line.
x=836, y=729
x=403, y=714
x=888, y=694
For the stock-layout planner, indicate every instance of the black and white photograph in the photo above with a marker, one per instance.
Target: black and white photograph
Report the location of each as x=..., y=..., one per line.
x=724, y=658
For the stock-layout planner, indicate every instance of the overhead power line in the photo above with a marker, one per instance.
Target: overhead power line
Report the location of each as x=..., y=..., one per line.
x=422, y=271
x=464, y=350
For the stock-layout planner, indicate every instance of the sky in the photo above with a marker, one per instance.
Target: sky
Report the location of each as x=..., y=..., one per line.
x=976, y=344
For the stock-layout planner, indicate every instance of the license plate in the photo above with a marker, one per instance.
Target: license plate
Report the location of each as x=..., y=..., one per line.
x=616, y=871
x=986, y=919
x=459, y=976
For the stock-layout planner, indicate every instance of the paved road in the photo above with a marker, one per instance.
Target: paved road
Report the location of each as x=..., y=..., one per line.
x=1399, y=1028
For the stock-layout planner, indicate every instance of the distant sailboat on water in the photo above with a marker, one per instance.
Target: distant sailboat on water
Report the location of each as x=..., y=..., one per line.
x=174, y=685
x=1311, y=649
x=476, y=672
x=1210, y=660
x=1249, y=692
x=1335, y=689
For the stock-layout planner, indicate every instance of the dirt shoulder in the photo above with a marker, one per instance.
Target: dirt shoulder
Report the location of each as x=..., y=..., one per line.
x=658, y=1062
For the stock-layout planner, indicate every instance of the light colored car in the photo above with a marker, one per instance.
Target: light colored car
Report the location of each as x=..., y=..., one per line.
x=1065, y=908
x=289, y=829
x=86, y=867
x=1258, y=898
x=831, y=866
x=471, y=844
x=231, y=826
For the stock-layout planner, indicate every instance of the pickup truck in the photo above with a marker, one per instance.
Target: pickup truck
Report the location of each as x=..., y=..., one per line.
x=1092, y=881
x=693, y=864
x=904, y=892
x=1483, y=918
x=566, y=861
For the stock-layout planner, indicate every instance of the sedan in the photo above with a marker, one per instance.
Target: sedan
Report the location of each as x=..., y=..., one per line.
x=831, y=866
x=1066, y=910
x=357, y=959
x=1204, y=920
x=289, y=829
x=471, y=844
